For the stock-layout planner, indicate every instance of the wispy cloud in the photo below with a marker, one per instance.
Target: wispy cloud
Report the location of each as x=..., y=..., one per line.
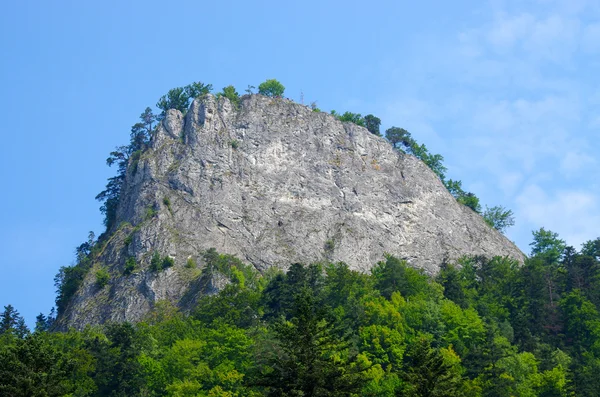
x=513, y=107
x=575, y=213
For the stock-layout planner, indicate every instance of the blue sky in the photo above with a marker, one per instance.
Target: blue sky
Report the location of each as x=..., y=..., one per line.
x=507, y=91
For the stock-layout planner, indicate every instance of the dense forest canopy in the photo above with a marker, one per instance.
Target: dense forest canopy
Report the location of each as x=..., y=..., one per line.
x=481, y=327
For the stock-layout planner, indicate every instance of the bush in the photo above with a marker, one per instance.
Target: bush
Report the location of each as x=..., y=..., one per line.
x=234, y=144
x=167, y=203
x=230, y=93
x=271, y=88
x=471, y=201
x=350, y=117
x=155, y=264
x=130, y=266
x=150, y=213
x=191, y=263
x=102, y=277
x=329, y=245
x=167, y=262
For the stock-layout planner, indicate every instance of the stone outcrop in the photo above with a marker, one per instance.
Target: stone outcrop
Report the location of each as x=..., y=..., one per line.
x=272, y=182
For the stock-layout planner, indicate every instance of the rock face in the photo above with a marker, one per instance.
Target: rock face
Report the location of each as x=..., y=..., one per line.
x=274, y=183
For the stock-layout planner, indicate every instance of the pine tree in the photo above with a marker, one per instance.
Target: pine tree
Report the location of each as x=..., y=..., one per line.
x=310, y=359
x=12, y=322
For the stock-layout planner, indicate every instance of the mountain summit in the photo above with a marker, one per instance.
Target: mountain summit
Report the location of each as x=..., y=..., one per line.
x=272, y=182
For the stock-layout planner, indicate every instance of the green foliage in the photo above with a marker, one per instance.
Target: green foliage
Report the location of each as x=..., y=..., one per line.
x=271, y=88
x=372, y=124
x=180, y=97
x=482, y=327
x=124, y=157
x=35, y=366
x=102, y=277
x=499, y=218
x=548, y=244
x=67, y=282
x=134, y=160
x=11, y=322
x=402, y=140
x=429, y=372
x=398, y=137
x=471, y=201
x=591, y=248
x=394, y=275
x=229, y=266
x=309, y=358
x=158, y=263
x=150, y=213
x=130, y=266
x=70, y=278
x=349, y=117
x=433, y=161
x=234, y=144
x=117, y=370
x=155, y=262
x=191, y=263
x=167, y=202
x=230, y=93
x=329, y=245
x=168, y=262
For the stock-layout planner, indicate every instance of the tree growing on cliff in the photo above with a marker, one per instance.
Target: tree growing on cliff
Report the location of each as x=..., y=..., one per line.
x=349, y=117
x=230, y=93
x=271, y=88
x=372, y=123
x=180, y=97
x=398, y=136
x=498, y=217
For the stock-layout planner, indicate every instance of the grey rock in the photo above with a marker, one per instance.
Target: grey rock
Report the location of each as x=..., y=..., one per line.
x=274, y=183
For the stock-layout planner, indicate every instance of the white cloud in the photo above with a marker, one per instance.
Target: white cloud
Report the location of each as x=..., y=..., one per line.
x=506, y=32
x=510, y=181
x=575, y=214
x=522, y=108
x=573, y=162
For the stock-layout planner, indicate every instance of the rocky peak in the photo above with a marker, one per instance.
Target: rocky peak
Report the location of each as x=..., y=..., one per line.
x=274, y=183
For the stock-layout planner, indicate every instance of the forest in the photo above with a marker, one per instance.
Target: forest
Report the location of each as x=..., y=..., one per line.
x=480, y=327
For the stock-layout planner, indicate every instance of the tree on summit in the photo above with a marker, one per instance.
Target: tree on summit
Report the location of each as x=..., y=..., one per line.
x=271, y=88
x=180, y=97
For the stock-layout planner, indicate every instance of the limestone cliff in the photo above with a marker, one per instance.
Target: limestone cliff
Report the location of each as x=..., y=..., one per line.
x=274, y=183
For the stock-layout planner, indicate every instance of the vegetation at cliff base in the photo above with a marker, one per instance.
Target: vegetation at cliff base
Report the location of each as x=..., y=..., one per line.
x=481, y=327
